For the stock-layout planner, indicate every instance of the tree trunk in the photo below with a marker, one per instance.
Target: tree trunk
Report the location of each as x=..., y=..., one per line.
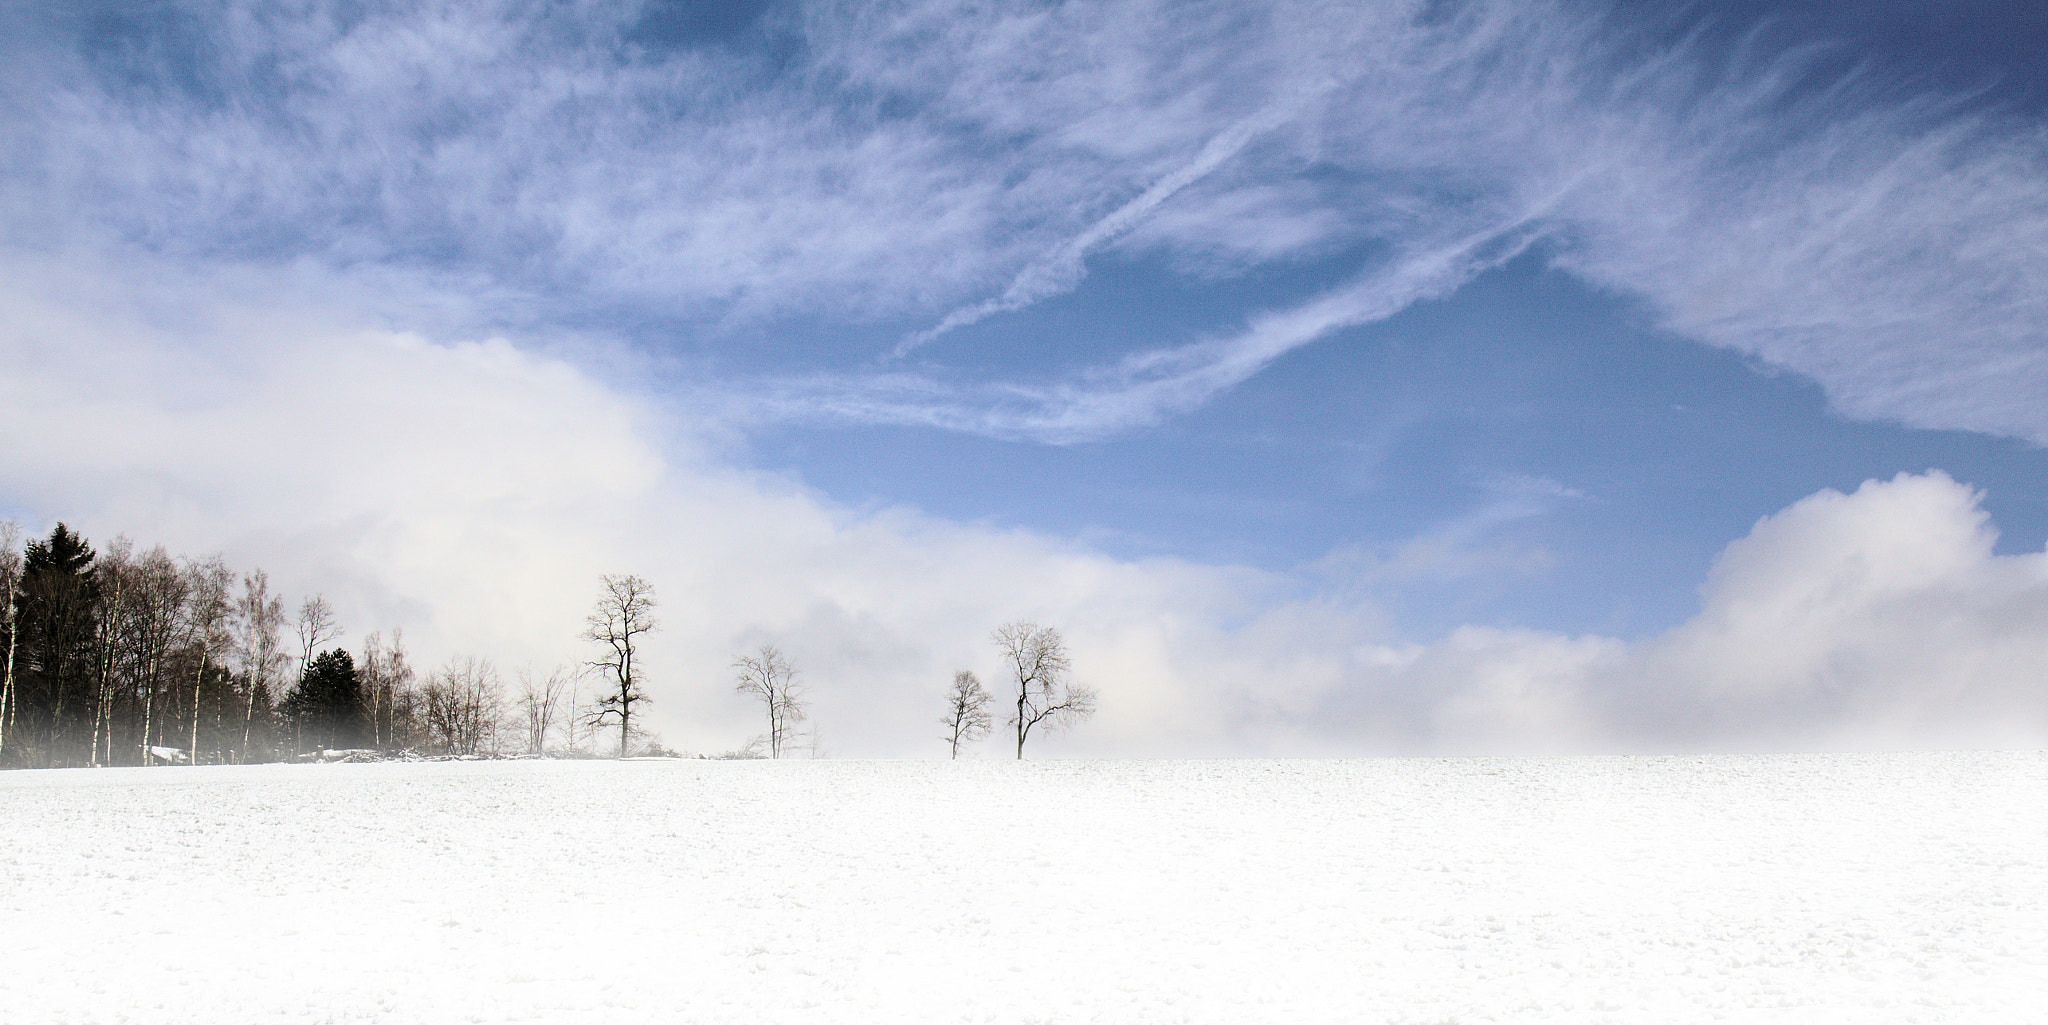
x=101, y=705
x=197, y=679
x=148, y=712
x=7, y=689
x=248, y=718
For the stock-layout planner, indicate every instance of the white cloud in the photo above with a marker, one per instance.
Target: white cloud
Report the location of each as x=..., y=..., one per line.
x=1147, y=387
x=913, y=159
x=1061, y=269
x=1879, y=618
x=472, y=491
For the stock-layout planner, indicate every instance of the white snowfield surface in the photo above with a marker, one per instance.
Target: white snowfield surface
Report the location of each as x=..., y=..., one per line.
x=1809, y=889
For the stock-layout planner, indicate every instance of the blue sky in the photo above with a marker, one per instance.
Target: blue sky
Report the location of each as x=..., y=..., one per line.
x=1344, y=378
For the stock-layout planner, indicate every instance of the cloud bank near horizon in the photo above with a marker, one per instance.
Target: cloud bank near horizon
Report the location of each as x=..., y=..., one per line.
x=471, y=492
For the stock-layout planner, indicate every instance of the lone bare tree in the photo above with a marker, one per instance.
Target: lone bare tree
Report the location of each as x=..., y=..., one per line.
x=967, y=718
x=767, y=675
x=624, y=611
x=1037, y=656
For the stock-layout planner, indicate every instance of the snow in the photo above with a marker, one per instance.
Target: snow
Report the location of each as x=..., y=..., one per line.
x=1838, y=888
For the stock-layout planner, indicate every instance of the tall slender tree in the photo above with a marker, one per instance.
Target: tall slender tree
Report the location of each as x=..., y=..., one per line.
x=259, y=646
x=115, y=574
x=315, y=627
x=161, y=591
x=10, y=593
x=207, y=617
x=624, y=612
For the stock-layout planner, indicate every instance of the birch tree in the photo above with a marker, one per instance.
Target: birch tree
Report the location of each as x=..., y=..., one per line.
x=208, y=616
x=389, y=700
x=259, y=645
x=767, y=675
x=1037, y=658
x=10, y=593
x=115, y=574
x=315, y=628
x=624, y=612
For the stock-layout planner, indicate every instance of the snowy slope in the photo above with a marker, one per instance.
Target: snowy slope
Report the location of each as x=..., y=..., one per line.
x=1870, y=888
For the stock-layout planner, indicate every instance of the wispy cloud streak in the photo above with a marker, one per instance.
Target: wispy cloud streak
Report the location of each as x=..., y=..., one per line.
x=1146, y=387
x=1141, y=389
x=944, y=162
x=1061, y=269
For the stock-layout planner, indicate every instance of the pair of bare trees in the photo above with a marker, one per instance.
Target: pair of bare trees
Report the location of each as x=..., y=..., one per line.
x=767, y=674
x=1036, y=659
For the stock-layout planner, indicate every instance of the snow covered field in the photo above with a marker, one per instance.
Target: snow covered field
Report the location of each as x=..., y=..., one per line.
x=1886, y=888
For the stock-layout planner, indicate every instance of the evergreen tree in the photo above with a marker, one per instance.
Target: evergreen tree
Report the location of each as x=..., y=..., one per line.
x=54, y=614
x=328, y=704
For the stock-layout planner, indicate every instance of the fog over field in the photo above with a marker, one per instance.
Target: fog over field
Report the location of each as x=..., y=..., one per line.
x=1796, y=889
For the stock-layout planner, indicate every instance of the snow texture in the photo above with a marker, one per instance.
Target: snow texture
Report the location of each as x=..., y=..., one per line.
x=1864, y=888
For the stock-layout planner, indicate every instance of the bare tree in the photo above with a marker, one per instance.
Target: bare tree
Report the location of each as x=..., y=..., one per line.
x=259, y=642
x=539, y=701
x=576, y=713
x=161, y=593
x=767, y=675
x=115, y=573
x=624, y=611
x=315, y=628
x=388, y=695
x=464, y=706
x=967, y=718
x=207, y=618
x=10, y=589
x=1037, y=657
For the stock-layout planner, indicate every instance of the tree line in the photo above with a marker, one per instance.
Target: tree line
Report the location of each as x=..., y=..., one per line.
x=120, y=657
x=127, y=657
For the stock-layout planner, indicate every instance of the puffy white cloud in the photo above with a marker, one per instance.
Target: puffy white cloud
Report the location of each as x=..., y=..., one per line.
x=1881, y=616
